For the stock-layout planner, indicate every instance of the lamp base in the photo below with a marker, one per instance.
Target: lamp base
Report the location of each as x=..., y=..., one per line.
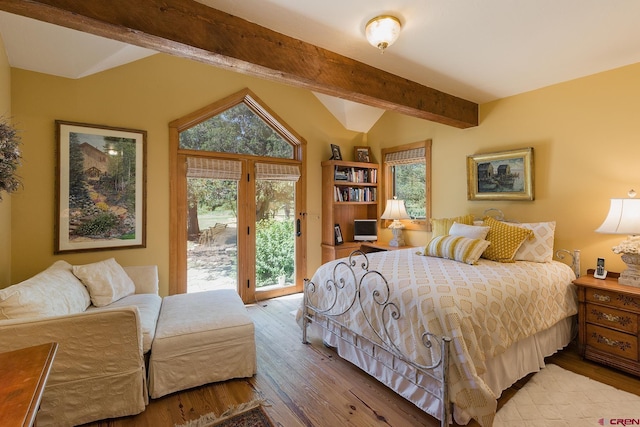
x=631, y=276
x=397, y=240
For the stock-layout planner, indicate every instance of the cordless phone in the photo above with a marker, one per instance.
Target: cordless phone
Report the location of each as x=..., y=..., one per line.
x=600, y=273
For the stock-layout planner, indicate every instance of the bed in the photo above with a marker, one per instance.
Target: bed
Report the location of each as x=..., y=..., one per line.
x=445, y=334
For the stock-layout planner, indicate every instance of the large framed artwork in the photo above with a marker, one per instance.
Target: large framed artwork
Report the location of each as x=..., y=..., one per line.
x=506, y=175
x=100, y=188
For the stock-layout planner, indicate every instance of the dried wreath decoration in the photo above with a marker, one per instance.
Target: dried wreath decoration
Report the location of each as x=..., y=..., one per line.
x=10, y=157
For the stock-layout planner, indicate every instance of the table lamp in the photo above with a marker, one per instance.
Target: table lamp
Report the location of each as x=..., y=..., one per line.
x=396, y=211
x=624, y=218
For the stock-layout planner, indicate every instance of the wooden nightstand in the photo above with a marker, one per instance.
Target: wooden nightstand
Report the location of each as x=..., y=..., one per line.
x=367, y=247
x=608, y=317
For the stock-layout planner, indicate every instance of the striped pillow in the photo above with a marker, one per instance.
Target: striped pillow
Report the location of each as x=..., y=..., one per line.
x=458, y=248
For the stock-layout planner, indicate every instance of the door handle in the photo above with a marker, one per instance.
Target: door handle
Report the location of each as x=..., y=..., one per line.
x=298, y=230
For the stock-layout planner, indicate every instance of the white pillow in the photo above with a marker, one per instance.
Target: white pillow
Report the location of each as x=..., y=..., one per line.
x=468, y=231
x=52, y=292
x=540, y=247
x=106, y=281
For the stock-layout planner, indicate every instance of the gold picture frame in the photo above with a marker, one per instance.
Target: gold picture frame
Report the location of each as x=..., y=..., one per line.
x=506, y=175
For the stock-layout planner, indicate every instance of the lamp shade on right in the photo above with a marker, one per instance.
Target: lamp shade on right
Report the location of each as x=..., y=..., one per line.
x=623, y=217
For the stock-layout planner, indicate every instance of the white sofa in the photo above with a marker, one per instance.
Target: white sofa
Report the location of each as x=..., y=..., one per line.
x=99, y=369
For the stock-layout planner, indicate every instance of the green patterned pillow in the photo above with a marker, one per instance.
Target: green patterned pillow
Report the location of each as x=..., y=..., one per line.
x=441, y=226
x=505, y=240
x=458, y=248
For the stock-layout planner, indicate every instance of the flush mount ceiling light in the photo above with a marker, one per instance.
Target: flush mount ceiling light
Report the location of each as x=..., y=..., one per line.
x=383, y=31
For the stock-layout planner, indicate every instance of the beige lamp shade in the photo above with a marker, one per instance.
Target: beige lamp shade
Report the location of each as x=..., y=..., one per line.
x=623, y=217
x=395, y=210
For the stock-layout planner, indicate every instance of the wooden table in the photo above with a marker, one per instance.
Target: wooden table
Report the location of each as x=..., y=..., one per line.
x=23, y=375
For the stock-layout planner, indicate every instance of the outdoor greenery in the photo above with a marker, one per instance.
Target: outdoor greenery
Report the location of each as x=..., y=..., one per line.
x=274, y=251
x=410, y=186
x=236, y=130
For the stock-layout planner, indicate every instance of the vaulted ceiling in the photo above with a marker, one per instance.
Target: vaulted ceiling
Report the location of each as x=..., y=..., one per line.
x=451, y=54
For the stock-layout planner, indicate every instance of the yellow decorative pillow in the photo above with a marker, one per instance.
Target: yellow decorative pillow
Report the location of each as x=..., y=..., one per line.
x=458, y=248
x=505, y=240
x=441, y=226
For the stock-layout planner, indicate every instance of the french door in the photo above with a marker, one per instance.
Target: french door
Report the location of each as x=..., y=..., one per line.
x=242, y=230
x=237, y=201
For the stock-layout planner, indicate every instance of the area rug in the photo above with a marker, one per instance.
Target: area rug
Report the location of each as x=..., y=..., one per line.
x=249, y=414
x=557, y=397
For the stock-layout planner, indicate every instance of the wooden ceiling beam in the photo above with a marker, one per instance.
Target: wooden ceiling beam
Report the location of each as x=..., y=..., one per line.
x=192, y=30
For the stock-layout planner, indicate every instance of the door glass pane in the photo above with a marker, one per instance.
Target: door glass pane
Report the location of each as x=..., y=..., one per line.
x=275, y=234
x=212, y=247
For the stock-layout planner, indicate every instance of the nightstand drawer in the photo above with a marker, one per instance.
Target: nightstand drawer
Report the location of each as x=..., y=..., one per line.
x=613, y=299
x=612, y=318
x=344, y=251
x=613, y=342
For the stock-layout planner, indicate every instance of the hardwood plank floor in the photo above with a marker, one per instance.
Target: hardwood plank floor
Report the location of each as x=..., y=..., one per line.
x=309, y=385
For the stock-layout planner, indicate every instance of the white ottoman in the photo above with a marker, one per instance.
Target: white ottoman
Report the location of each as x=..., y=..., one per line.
x=201, y=338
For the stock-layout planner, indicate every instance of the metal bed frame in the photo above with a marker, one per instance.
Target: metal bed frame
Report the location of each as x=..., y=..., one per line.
x=365, y=282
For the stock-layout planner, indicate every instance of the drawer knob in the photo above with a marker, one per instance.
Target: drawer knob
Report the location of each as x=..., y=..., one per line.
x=611, y=317
x=621, y=320
x=602, y=298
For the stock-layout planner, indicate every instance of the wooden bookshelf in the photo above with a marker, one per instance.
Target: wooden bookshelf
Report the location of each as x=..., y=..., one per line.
x=349, y=191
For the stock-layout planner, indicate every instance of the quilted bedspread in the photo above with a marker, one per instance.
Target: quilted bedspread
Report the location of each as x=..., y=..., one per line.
x=483, y=308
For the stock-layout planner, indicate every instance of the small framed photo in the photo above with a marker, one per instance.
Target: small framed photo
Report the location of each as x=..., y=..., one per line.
x=335, y=152
x=362, y=154
x=338, y=233
x=100, y=188
x=506, y=175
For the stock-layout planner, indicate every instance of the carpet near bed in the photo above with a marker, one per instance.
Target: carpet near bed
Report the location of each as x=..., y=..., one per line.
x=249, y=414
x=557, y=397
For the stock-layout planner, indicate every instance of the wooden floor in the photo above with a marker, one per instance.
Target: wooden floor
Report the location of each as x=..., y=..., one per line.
x=309, y=385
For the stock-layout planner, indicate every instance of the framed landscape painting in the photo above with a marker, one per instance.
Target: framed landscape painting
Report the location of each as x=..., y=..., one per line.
x=506, y=175
x=100, y=188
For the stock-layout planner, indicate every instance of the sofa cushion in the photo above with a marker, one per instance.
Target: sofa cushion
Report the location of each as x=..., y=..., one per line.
x=149, y=310
x=106, y=281
x=52, y=292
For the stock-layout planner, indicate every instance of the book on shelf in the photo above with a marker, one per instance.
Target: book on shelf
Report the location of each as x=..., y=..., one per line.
x=340, y=175
x=354, y=194
x=356, y=175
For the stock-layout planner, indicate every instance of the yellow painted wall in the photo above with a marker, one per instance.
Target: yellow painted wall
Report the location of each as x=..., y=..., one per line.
x=146, y=94
x=5, y=204
x=583, y=133
x=586, y=141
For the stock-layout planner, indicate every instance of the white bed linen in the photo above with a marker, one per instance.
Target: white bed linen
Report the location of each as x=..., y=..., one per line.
x=526, y=298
